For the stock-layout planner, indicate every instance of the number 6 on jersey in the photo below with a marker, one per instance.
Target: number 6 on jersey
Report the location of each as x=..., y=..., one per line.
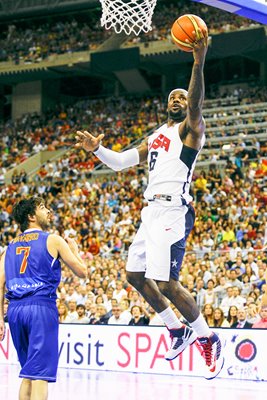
x=153, y=159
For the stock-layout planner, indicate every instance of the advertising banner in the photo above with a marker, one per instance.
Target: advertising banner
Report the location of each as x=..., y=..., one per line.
x=142, y=349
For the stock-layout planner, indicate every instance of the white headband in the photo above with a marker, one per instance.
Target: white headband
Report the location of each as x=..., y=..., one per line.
x=185, y=92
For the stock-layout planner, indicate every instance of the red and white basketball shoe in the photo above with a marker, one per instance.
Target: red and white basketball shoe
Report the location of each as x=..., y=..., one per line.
x=211, y=349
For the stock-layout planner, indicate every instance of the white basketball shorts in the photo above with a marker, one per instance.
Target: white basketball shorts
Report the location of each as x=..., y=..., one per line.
x=159, y=245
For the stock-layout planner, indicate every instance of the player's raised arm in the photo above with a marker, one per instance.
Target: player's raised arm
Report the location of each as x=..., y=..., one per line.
x=114, y=160
x=196, y=91
x=2, y=294
x=69, y=253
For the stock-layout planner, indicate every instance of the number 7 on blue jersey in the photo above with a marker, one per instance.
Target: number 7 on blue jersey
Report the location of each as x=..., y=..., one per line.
x=24, y=262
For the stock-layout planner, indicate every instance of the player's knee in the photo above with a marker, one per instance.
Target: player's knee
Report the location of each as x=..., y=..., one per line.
x=164, y=288
x=135, y=279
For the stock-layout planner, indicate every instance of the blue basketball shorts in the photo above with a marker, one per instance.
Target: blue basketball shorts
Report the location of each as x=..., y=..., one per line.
x=34, y=329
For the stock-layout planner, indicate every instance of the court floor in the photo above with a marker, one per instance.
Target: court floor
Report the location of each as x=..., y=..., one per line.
x=94, y=385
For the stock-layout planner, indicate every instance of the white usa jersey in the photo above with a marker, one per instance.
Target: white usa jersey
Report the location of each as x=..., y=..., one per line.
x=170, y=164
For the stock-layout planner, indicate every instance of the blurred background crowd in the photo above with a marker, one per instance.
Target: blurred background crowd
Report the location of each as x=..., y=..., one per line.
x=25, y=42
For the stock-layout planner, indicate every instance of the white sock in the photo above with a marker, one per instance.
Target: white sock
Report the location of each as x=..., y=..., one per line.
x=201, y=327
x=170, y=319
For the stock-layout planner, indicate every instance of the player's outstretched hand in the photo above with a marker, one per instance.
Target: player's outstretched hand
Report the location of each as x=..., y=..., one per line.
x=2, y=330
x=73, y=245
x=87, y=141
x=200, y=45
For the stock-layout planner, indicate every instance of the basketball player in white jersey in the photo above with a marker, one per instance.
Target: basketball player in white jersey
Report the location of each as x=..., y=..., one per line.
x=156, y=254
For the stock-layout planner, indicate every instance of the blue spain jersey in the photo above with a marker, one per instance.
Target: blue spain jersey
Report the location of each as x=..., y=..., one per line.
x=29, y=268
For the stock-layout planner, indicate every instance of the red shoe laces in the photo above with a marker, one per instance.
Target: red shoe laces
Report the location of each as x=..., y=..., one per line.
x=207, y=352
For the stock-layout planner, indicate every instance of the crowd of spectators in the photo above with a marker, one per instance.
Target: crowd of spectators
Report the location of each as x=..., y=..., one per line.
x=125, y=120
x=33, y=42
x=225, y=264
x=221, y=272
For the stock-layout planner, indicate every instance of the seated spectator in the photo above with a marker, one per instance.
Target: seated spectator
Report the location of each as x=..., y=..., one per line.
x=219, y=319
x=82, y=296
x=210, y=295
x=250, y=273
x=82, y=318
x=238, y=261
x=109, y=297
x=238, y=300
x=125, y=307
x=72, y=294
x=63, y=316
x=140, y=316
x=262, y=323
x=242, y=322
x=191, y=288
x=91, y=296
x=260, y=281
x=119, y=293
x=252, y=295
x=246, y=285
x=154, y=318
x=229, y=235
x=232, y=315
x=207, y=242
x=87, y=305
x=227, y=301
x=123, y=278
x=92, y=314
x=94, y=246
x=99, y=299
x=252, y=263
x=200, y=185
x=206, y=273
x=117, y=318
x=102, y=315
x=208, y=314
x=221, y=289
x=72, y=313
x=23, y=176
x=200, y=292
x=252, y=313
x=135, y=298
x=233, y=280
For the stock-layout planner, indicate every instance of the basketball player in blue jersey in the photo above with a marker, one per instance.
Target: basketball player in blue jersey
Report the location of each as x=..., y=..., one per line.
x=30, y=269
x=156, y=254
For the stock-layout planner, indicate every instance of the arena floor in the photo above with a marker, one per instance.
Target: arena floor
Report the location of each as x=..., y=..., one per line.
x=83, y=384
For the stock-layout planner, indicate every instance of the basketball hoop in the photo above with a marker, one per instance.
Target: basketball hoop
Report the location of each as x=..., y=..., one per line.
x=130, y=16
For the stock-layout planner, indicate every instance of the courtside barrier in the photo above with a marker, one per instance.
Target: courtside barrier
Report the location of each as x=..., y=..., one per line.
x=142, y=349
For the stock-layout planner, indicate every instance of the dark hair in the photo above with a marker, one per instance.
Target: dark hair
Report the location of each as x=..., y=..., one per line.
x=23, y=209
x=80, y=306
x=229, y=318
x=218, y=323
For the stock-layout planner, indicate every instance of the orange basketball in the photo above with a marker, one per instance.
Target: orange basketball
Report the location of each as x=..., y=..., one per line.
x=183, y=29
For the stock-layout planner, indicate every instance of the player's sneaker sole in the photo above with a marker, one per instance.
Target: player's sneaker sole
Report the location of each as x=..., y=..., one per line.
x=209, y=378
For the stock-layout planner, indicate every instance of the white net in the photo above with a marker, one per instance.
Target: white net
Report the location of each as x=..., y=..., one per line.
x=130, y=16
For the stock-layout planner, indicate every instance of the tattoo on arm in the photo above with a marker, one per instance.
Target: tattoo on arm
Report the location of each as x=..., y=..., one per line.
x=196, y=92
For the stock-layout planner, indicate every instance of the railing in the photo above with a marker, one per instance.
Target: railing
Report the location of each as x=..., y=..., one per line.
x=255, y=114
x=252, y=126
